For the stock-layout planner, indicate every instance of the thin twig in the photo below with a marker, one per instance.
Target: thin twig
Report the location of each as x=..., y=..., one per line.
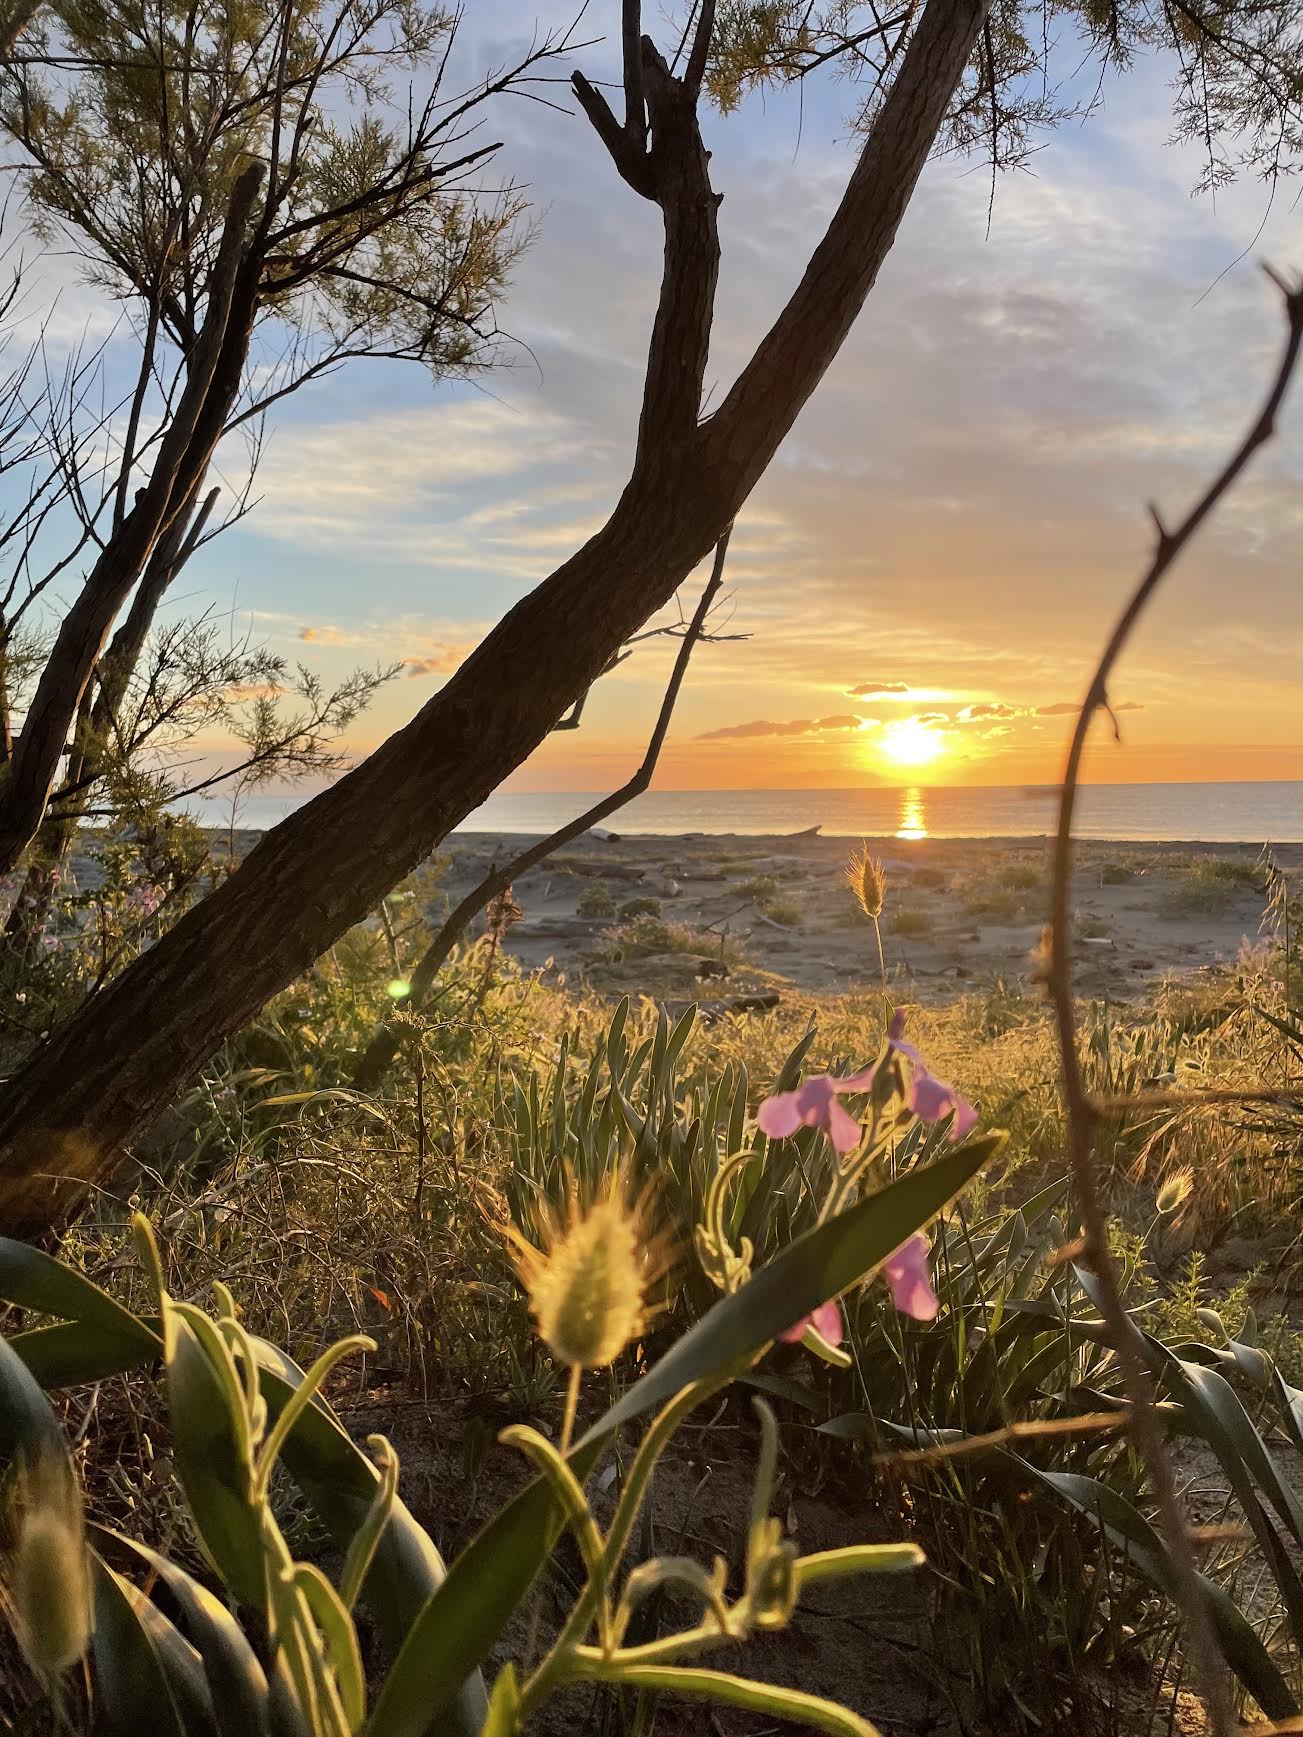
x=383, y=1047
x=1146, y=1429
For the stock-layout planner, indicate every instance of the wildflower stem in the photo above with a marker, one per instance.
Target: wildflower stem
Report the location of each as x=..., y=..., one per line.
x=572, y=1406
x=557, y=1664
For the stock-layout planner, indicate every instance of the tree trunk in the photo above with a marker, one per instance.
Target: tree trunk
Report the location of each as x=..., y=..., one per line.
x=212, y=385
x=136, y=1043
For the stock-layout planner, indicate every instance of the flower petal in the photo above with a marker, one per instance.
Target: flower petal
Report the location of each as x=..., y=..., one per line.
x=932, y=1100
x=906, y=1273
x=780, y=1115
x=826, y=1321
x=965, y=1117
x=843, y=1130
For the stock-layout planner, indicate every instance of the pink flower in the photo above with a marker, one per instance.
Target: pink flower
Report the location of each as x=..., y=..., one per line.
x=826, y=1321
x=931, y=1099
x=909, y=1281
x=814, y=1105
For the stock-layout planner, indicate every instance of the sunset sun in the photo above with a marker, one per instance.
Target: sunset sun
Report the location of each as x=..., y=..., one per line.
x=910, y=742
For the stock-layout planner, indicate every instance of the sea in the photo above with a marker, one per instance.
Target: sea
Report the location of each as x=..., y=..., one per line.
x=1247, y=813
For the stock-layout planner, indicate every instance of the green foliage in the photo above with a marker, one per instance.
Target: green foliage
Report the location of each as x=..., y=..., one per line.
x=785, y=912
x=239, y=1411
x=642, y=906
x=596, y=901
x=1206, y=886
x=759, y=887
x=367, y=245
x=1236, y=97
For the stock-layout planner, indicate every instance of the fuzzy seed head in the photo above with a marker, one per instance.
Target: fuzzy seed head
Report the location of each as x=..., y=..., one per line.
x=49, y=1572
x=588, y=1284
x=867, y=879
x=1175, y=1191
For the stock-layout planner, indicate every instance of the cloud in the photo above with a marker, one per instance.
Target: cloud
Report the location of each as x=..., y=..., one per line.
x=873, y=690
x=930, y=718
x=1064, y=708
x=987, y=709
x=326, y=636
x=791, y=727
x=440, y=662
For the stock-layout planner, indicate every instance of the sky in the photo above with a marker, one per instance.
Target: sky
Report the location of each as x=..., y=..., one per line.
x=919, y=586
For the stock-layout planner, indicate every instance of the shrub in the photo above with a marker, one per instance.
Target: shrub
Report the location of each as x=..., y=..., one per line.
x=643, y=906
x=596, y=901
x=779, y=910
x=1209, y=885
x=759, y=887
x=911, y=923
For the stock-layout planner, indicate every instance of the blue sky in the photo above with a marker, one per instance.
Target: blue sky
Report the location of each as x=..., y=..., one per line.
x=959, y=510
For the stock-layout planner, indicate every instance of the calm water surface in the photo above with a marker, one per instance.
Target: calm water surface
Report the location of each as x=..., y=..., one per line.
x=1214, y=813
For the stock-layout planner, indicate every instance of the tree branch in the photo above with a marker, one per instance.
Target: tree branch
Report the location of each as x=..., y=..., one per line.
x=384, y=1046
x=1202, y=1647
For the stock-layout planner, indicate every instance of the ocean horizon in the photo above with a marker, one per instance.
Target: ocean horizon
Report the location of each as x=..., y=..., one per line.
x=1209, y=813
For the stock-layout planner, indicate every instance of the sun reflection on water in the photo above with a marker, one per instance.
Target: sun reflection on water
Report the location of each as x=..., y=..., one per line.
x=913, y=816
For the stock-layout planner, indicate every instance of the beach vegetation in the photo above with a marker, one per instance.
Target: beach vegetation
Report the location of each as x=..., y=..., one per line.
x=642, y=906
x=778, y=909
x=1206, y=885
x=200, y=167
x=596, y=900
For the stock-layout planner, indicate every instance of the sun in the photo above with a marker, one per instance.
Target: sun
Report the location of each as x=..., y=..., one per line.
x=910, y=742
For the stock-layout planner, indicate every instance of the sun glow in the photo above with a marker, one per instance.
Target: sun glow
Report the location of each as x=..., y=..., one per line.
x=910, y=742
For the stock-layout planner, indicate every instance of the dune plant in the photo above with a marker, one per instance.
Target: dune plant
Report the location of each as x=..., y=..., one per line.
x=280, y=1652
x=867, y=878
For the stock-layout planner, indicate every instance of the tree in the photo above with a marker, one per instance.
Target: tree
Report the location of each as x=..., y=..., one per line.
x=66, y=1116
x=243, y=179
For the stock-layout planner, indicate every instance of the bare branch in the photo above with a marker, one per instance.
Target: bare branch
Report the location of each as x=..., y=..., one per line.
x=384, y=1046
x=1202, y=1647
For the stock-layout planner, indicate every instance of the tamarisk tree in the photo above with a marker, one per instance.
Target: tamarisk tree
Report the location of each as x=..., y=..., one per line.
x=251, y=184
x=935, y=69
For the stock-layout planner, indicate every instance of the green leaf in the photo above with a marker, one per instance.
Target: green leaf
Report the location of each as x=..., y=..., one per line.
x=236, y=1680
x=33, y=1280
x=463, y=1619
x=212, y=1453
x=27, y=1422
x=338, y=1637
x=341, y=1483
x=504, y=1705
x=135, y=1691
x=72, y=1353
x=1130, y=1531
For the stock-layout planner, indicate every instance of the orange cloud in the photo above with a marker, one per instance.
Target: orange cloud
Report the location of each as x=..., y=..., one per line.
x=440, y=662
x=792, y=727
x=872, y=690
x=987, y=709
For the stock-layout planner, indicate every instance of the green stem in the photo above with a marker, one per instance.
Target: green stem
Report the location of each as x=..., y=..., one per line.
x=789, y=1704
x=572, y=1406
x=556, y=1663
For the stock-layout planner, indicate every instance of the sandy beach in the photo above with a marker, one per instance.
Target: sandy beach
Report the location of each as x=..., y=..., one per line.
x=719, y=916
